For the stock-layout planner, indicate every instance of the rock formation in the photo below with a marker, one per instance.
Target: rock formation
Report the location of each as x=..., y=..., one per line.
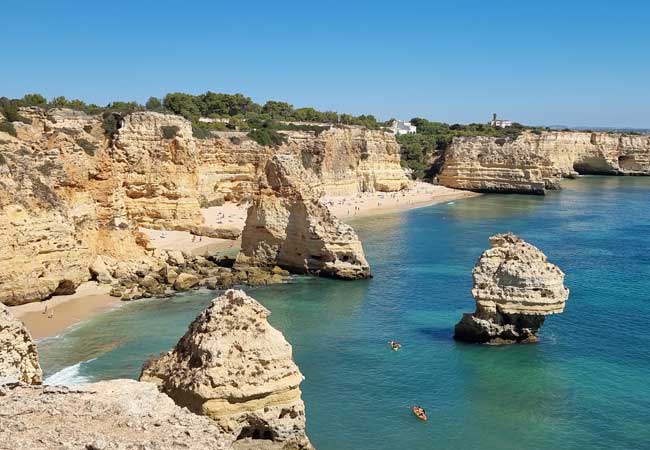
x=515, y=287
x=534, y=162
x=18, y=354
x=110, y=415
x=234, y=367
x=289, y=227
x=74, y=186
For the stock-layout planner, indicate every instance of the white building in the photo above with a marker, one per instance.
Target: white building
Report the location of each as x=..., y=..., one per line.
x=403, y=127
x=501, y=123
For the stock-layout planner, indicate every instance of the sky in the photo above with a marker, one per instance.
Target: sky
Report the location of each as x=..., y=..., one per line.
x=571, y=62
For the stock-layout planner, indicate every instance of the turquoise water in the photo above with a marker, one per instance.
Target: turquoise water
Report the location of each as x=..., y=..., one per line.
x=585, y=385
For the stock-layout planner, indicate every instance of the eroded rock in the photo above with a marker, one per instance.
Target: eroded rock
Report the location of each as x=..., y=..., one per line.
x=515, y=287
x=18, y=354
x=235, y=368
x=288, y=227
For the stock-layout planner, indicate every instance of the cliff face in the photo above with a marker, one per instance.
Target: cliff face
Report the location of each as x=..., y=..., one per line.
x=235, y=368
x=533, y=162
x=18, y=355
x=288, y=226
x=515, y=287
x=74, y=186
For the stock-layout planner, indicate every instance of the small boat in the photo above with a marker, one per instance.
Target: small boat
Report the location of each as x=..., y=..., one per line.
x=419, y=412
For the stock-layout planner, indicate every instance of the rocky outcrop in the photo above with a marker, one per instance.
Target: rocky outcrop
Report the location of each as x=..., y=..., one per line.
x=515, y=287
x=235, y=368
x=110, y=415
x=287, y=226
x=18, y=355
x=534, y=162
x=74, y=186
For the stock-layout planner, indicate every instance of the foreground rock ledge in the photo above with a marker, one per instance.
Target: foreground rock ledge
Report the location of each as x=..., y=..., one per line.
x=18, y=354
x=110, y=415
x=287, y=226
x=515, y=287
x=235, y=368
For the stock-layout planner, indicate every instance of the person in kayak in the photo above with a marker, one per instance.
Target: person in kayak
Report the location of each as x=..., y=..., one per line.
x=394, y=345
x=419, y=411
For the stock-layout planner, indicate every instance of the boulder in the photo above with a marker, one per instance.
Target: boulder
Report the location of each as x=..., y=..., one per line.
x=185, y=281
x=515, y=287
x=287, y=226
x=100, y=272
x=18, y=354
x=234, y=367
x=176, y=258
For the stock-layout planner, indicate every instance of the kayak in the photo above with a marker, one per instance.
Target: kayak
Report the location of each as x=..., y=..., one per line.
x=419, y=413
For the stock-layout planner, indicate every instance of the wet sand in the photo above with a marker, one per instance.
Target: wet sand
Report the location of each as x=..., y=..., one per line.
x=64, y=311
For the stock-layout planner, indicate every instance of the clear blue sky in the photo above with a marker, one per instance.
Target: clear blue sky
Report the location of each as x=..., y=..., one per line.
x=537, y=62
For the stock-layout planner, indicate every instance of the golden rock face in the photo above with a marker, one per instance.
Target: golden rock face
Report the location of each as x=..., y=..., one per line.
x=532, y=163
x=70, y=191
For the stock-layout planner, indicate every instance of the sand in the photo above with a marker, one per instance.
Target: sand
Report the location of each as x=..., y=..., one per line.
x=417, y=195
x=64, y=311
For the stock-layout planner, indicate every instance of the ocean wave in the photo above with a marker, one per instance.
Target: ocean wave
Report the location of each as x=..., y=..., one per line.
x=70, y=375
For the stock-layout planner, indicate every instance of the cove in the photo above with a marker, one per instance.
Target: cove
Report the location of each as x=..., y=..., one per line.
x=584, y=385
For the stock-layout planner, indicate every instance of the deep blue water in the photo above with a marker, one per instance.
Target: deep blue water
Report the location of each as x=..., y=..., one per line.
x=585, y=385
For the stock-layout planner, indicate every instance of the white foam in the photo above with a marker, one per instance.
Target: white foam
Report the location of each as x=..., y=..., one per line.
x=69, y=376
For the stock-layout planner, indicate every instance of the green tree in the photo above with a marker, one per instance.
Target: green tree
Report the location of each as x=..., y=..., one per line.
x=154, y=104
x=278, y=110
x=182, y=104
x=34, y=100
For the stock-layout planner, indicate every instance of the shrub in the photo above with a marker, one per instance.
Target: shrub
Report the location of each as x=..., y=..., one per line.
x=3, y=161
x=169, y=131
x=153, y=104
x=235, y=140
x=8, y=127
x=34, y=100
x=200, y=132
x=88, y=128
x=87, y=146
x=267, y=137
x=111, y=123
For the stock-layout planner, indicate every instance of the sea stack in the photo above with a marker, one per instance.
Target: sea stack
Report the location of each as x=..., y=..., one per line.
x=235, y=368
x=18, y=354
x=515, y=287
x=287, y=226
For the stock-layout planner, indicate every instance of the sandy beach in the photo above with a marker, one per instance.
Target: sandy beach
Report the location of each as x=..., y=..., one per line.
x=417, y=195
x=64, y=311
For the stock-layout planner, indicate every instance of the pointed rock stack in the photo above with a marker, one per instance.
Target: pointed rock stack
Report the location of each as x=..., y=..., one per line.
x=287, y=226
x=234, y=367
x=18, y=354
x=515, y=287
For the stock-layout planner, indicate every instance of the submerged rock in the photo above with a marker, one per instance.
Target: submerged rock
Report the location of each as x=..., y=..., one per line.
x=515, y=287
x=18, y=354
x=287, y=226
x=234, y=367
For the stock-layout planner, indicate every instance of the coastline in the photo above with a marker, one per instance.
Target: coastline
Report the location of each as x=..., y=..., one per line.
x=92, y=298
x=64, y=311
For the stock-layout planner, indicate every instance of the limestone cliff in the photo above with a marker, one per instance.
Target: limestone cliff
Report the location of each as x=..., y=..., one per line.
x=18, y=355
x=234, y=367
x=74, y=186
x=515, y=287
x=534, y=162
x=289, y=227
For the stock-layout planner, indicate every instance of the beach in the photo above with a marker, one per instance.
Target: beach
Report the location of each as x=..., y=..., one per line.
x=92, y=298
x=64, y=311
